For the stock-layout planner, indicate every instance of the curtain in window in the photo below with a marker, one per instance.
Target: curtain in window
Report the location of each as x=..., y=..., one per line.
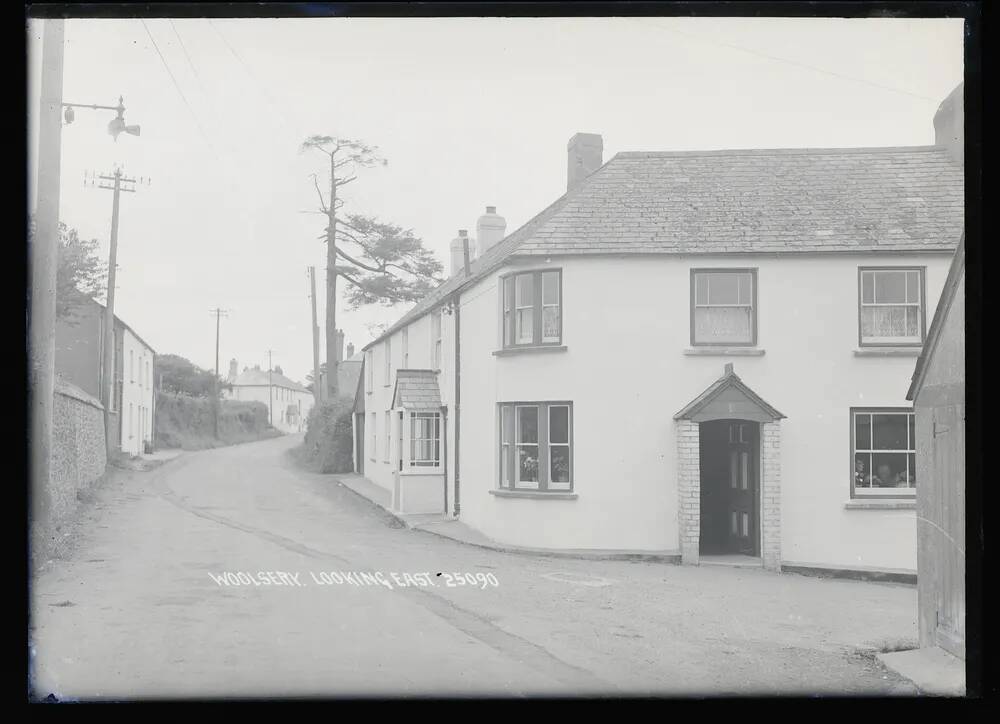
x=723, y=324
x=890, y=321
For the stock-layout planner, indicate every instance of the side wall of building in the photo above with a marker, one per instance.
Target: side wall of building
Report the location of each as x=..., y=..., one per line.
x=940, y=409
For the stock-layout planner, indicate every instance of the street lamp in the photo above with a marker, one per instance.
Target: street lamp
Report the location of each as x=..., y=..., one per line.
x=117, y=124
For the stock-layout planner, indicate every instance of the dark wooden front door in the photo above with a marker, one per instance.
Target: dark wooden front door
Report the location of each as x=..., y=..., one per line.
x=741, y=455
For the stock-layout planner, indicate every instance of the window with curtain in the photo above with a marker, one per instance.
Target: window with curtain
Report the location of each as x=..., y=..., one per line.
x=723, y=307
x=883, y=453
x=892, y=306
x=536, y=446
x=531, y=304
x=425, y=439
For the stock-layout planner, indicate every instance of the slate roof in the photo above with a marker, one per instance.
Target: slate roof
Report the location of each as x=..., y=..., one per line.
x=416, y=390
x=955, y=273
x=741, y=201
x=259, y=378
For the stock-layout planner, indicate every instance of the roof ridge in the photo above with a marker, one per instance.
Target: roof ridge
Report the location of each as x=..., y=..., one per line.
x=482, y=265
x=778, y=151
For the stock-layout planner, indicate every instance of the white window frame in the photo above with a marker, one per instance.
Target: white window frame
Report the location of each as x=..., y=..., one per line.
x=373, y=453
x=388, y=362
x=388, y=436
x=425, y=463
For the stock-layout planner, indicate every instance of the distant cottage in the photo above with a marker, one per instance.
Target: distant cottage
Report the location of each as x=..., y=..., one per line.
x=288, y=402
x=79, y=345
x=691, y=353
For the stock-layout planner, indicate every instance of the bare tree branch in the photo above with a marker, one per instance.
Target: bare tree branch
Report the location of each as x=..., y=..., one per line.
x=322, y=201
x=346, y=181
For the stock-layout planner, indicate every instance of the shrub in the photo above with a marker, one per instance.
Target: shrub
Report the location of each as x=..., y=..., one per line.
x=329, y=441
x=187, y=422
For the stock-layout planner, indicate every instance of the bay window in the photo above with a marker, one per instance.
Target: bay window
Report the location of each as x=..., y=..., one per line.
x=532, y=308
x=425, y=439
x=883, y=453
x=536, y=446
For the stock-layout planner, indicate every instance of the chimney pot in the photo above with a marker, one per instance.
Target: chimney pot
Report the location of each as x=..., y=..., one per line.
x=463, y=232
x=490, y=229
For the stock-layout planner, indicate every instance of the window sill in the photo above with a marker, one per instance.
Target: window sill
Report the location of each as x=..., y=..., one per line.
x=724, y=352
x=887, y=352
x=422, y=471
x=507, y=351
x=533, y=494
x=884, y=504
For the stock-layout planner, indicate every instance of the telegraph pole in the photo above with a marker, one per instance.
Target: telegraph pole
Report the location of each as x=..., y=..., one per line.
x=43, y=259
x=119, y=183
x=270, y=391
x=219, y=314
x=317, y=382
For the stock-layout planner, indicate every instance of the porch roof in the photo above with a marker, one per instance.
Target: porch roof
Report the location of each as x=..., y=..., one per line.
x=416, y=390
x=728, y=397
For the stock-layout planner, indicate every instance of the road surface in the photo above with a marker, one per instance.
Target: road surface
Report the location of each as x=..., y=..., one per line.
x=142, y=606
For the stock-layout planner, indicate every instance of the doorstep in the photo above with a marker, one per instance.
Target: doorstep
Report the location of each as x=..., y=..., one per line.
x=933, y=670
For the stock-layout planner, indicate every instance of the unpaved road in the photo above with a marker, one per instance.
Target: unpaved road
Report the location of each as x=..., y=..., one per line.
x=134, y=609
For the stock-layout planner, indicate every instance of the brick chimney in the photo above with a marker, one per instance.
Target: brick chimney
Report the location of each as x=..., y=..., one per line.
x=490, y=228
x=458, y=251
x=586, y=155
x=233, y=370
x=949, y=124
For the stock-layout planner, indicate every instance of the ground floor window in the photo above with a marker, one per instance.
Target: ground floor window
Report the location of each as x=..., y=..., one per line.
x=536, y=448
x=388, y=434
x=883, y=452
x=425, y=439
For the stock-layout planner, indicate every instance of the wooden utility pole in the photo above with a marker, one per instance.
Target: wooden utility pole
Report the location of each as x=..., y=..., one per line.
x=43, y=260
x=331, y=285
x=317, y=381
x=219, y=314
x=107, y=366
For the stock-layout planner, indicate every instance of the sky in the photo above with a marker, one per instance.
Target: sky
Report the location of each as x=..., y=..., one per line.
x=469, y=113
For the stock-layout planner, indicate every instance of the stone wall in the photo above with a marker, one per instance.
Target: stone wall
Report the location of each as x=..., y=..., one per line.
x=79, y=455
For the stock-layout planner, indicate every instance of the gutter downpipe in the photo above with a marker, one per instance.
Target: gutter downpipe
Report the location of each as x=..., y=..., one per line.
x=458, y=399
x=457, y=304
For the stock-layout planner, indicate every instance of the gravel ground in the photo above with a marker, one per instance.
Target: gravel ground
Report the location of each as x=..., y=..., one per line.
x=131, y=610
